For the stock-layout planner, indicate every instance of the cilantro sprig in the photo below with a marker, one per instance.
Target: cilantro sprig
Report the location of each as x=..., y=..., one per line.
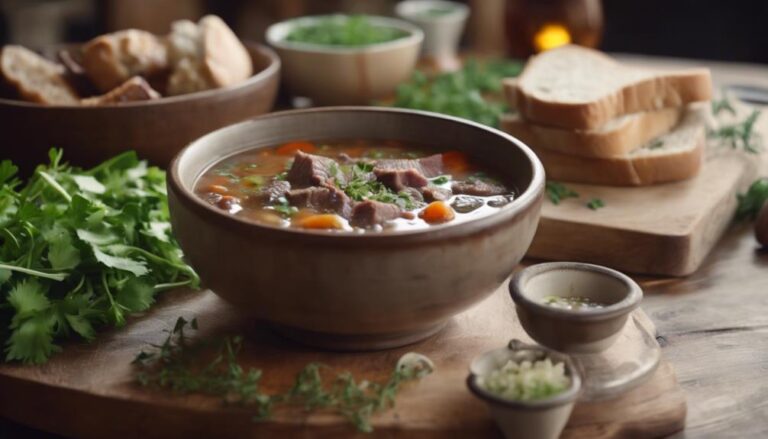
x=81, y=249
x=176, y=365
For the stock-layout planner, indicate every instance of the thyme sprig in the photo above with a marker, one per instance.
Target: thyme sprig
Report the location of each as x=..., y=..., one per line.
x=737, y=135
x=174, y=365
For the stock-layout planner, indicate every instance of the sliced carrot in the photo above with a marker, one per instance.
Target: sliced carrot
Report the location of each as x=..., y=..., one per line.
x=291, y=148
x=455, y=161
x=437, y=212
x=321, y=221
x=217, y=189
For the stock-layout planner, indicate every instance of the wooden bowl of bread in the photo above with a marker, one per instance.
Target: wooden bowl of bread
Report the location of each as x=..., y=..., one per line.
x=132, y=90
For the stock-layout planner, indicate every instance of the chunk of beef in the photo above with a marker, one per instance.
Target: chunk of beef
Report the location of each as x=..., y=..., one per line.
x=478, y=187
x=399, y=179
x=414, y=194
x=314, y=170
x=271, y=193
x=370, y=213
x=322, y=199
x=436, y=193
x=431, y=166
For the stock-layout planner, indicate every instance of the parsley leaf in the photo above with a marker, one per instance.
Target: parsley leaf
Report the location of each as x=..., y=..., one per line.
x=80, y=249
x=558, y=192
x=753, y=200
x=595, y=203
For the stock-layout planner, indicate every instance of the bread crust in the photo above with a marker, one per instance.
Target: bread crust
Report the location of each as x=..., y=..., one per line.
x=34, y=78
x=132, y=90
x=659, y=90
x=640, y=170
x=110, y=60
x=606, y=142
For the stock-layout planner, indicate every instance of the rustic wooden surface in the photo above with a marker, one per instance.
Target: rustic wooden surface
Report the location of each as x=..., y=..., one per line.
x=89, y=390
x=712, y=325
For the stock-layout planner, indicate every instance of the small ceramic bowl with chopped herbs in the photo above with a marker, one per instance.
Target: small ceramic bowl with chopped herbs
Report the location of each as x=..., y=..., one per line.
x=573, y=307
x=345, y=59
x=530, y=390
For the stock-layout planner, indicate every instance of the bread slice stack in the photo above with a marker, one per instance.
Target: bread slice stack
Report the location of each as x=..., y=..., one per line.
x=593, y=120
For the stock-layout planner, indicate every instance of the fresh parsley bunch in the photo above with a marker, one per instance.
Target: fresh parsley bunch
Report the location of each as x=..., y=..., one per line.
x=81, y=249
x=471, y=93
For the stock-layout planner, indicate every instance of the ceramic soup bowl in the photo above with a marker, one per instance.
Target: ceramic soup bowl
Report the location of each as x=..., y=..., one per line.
x=356, y=290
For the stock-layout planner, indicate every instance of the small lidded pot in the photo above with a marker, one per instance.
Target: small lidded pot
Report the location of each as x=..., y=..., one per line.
x=573, y=307
x=530, y=391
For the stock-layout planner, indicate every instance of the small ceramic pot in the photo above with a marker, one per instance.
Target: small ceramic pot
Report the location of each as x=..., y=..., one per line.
x=540, y=419
x=442, y=31
x=341, y=75
x=567, y=330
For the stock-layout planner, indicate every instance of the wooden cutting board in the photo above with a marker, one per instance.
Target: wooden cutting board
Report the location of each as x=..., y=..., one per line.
x=88, y=390
x=665, y=229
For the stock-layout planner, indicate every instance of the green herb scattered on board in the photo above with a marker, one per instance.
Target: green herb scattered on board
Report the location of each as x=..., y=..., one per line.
x=81, y=249
x=558, y=192
x=472, y=92
x=342, y=30
x=175, y=364
x=739, y=135
x=720, y=105
x=752, y=201
x=595, y=203
x=656, y=144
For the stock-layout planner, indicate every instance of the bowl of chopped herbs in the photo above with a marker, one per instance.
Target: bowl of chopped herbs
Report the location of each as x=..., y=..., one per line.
x=345, y=59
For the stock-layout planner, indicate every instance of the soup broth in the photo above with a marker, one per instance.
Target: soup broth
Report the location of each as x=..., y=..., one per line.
x=353, y=186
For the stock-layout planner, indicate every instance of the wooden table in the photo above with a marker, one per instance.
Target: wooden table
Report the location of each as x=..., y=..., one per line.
x=713, y=325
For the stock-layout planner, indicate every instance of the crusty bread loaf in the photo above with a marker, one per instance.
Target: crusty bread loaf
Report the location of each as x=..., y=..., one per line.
x=579, y=88
x=616, y=138
x=132, y=90
x=675, y=156
x=111, y=59
x=205, y=56
x=34, y=78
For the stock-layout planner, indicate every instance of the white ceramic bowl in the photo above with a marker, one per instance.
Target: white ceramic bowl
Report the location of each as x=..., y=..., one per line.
x=339, y=75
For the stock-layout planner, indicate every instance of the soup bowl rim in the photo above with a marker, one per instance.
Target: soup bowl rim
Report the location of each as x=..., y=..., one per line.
x=520, y=204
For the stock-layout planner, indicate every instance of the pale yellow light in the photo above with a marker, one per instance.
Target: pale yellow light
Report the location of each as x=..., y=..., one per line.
x=551, y=35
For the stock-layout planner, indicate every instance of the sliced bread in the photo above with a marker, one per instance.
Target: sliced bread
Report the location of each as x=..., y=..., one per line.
x=674, y=156
x=206, y=55
x=132, y=90
x=110, y=60
x=34, y=78
x=579, y=88
x=618, y=137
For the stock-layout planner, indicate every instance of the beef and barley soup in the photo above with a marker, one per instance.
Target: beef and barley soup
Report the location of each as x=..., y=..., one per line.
x=356, y=186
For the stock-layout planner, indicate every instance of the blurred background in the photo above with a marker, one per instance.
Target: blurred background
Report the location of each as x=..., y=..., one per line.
x=732, y=30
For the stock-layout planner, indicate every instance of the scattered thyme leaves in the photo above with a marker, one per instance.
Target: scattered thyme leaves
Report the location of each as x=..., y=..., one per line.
x=753, y=200
x=595, y=203
x=81, y=249
x=721, y=105
x=176, y=365
x=739, y=135
x=557, y=192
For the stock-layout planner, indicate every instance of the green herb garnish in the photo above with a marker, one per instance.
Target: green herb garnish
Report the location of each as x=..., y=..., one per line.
x=595, y=203
x=343, y=30
x=441, y=179
x=656, y=144
x=471, y=93
x=753, y=200
x=81, y=249
x=284, y=208
x=175, y=364
x=360, y=187
x=740, y=135
x=558, y=192
x=723, y=104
